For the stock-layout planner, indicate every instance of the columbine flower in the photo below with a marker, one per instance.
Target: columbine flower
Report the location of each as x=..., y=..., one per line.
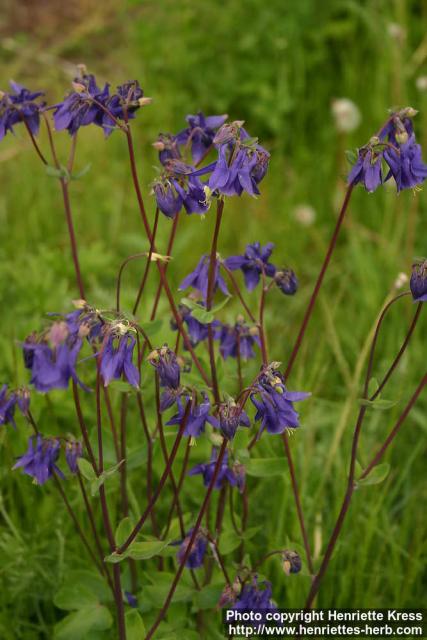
x=231, y=416
x=197, y=331
x=52, y=357
x=255, y=596
x=123, y=104
x=241, y=164
x=39, y=460
x=225, y=474
x=238, y=340
x=197, y=417
x=253, y=262
x=7, y=406
x=18, y=106
x=200, y=134
x=198, y=279
x=178, y=187
x=396, y=145
x=198, y=550
x=116, y=359
x=418, y=282
x=287, y=281
x=291, y=562
x=82, y=106
x=166, y=364
x=73, y=451
x=168, y=148
x=274, y=402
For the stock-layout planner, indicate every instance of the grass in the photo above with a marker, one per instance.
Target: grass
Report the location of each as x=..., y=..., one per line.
x=278, y=67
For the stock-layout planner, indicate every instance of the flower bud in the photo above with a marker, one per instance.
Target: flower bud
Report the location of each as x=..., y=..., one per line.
x=418, y=282
x=291, y=562
x=287, y=281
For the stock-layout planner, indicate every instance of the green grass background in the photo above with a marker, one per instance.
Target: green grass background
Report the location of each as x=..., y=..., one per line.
x=276, y=65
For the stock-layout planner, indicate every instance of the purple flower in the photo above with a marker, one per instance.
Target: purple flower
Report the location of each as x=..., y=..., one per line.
x=131, y=600
x=199, y=278
x=367, y=169
x=406, y=164
x=255, y=596
x=198, y=550
x=252, y=263
x=123, y=104
x=418, y=282
x=287, y=281
x=82, y=106
x=237, y=340
x=166, y=364
x=39, y=460
x=225, y=474
x=73, y=451
x=167, y=146
x=197, y=418
x=200, y=134
x=8, y=402
x=52, y=359
x=18, y=106
x=179, y=187
x=241, y=164
x=231, y=416
x=196, y=330
x=116, y=359
x=274, y=403
x=168, y=199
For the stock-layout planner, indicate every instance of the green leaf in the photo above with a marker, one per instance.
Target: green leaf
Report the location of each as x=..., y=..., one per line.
x=74, y=596
x=372, y=387
x=123, y=531
x=92, y=581
x=77, y=624
x=202, y=315
x=378, y=474
x=208, y=596
x=265, y=467
x=135, y=629
x=139, y=551
x=221, y=305
x=99, y=481
x=86, y=469
x=122, y=386
x=351, y=155
x=81, y=173
x=152, y=328
x=53, y=172
x=378, y=403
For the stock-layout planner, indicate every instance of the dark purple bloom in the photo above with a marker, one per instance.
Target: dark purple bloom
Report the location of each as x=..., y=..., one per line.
x=255, y=596
x=274, y=403
x=123, y=104
x=241, y=164
x=225, y=474
x=168, y=199
x=8, y=402
x=165, y=362
x=131, y=600
x=73, y=451
x=418, y=282
x=198, y=279
x=230, y=417
x=116, y=359
x=196, y=330
x=237, y=340
x=178, y=187
x=167, y=146
x=197, y=418
x=39, y=460
x=287, y=281
x=406, y=164
x=367, y=169
x=52, y=360
x=253, y=262
x=200, y=134
x=83, y=106
x=18, y=106
x=23, y=400
x=198, y=550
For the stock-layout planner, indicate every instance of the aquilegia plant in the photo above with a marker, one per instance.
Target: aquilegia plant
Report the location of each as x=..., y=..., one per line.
x=116, y=364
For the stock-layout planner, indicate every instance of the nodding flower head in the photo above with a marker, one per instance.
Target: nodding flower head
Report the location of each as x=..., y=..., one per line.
x=207, y=470
x=255, y=596
x=168, y=148
x=52, y=357
x=197, y=418
x=287, y=281
x=40, y=458
x=253, y=263
x=231, y=416
x=241, y=164
x=116, y=355
x=237, y=340
x=274, y=403
x=123, y=104
x=19, y=105
x=199, y=278
x=85, y=105
x=73, y=451
x=396, y=145
x=197, y=331
x=8, y=402
x=165, y=362
x=179, y=187
x=418, y=282
x=199, y=134
x=291, y=562
x=198, y=550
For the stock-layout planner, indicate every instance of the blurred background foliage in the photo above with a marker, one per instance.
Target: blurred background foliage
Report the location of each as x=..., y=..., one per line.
x=278, y=66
